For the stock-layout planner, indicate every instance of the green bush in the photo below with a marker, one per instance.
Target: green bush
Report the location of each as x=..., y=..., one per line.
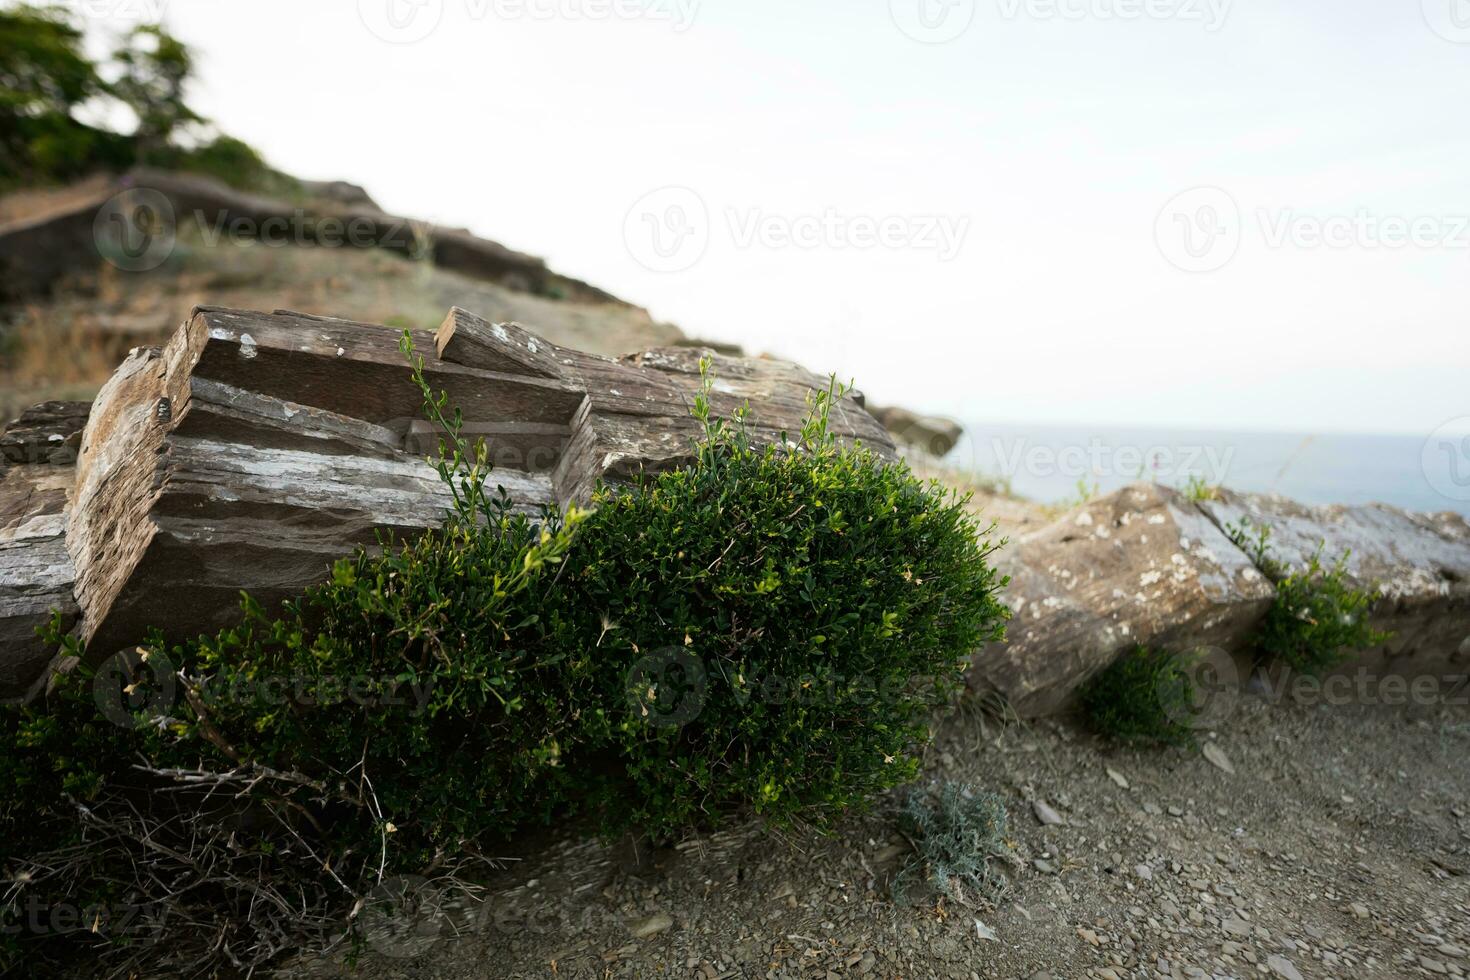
x=436, y=696
x=1316, y=615
x=1144, y=696
x=956, y=838
x=785, y=617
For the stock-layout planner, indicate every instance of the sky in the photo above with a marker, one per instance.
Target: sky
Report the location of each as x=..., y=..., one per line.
x=1226, y=214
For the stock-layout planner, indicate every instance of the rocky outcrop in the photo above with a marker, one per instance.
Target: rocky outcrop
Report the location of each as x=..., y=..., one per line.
x=1141, y=566
x=930, y=434
x=1148, y=566
x=36, y=572
x=1417, y=564
x=60, y=236
x=254, y=449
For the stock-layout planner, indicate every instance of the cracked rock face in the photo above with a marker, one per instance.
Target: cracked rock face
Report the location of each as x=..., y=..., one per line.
x=1417, y=564
x=1140, y=566
x=36, y=573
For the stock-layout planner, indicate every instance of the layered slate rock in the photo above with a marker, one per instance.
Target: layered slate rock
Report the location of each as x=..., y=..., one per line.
x=46, y=433
x=254, y=449
x=1140, y=566
x=36, y=572
x=1418, y=565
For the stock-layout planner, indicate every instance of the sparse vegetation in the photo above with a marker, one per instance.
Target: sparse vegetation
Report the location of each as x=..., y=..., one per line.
x=1145, y=696
x=1199, y=490
x=958, y=838
x=1317, y=615
x=251, y=787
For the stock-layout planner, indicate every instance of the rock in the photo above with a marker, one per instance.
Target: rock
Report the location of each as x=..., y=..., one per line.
x=1237, y=928
x=46, y=433
x=1144, y=871
x=651, y=926
x=35, y=253
x=255, y=449
x=932, y=435
x=1045, y=814
x=985, y=933
x=1216, y=757
x=1140, y=566
x=339, y=192
x=1418, y=564
x=36, y=572
x=1118, y=778
x=1358, y=910
x=1282, y=967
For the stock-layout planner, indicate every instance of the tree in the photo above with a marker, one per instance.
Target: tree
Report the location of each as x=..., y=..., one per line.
x=156, y=67
x=43, y=76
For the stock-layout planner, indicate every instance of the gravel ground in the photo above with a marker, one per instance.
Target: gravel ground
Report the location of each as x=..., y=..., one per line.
x=1338, y=847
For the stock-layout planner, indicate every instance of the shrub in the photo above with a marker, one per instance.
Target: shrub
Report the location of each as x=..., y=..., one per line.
x=396, y=717
x=785, y=617
x=955, y=838
x=1144, y=696
x=1316, y=615
x=437, y=695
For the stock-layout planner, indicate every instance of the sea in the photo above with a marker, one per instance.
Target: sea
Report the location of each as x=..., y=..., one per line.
x=1056, y=464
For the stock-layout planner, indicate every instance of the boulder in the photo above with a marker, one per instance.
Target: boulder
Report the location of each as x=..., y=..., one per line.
x=1143, y=565
x=930, y=434
x=1417, y=564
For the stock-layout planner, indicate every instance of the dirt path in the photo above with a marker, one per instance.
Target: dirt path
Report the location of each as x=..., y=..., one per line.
x=1340, y=847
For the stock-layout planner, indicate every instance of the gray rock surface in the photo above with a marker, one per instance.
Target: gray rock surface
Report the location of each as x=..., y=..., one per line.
x=1418, y=564
x=1140, y=566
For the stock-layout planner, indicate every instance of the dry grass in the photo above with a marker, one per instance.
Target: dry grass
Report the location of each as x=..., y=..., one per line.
x=67, y=346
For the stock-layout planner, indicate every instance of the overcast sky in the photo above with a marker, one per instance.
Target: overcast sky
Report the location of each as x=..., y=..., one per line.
x=1247, y=214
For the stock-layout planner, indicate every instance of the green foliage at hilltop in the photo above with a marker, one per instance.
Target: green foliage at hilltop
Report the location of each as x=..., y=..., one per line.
x=763, y=632
x=48, y=82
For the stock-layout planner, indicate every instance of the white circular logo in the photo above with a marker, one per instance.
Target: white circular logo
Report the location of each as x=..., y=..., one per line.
x=1450, y=19
x=1209, y=692
x=1446, y=459
x=403, y=916
x=1199, y=230
x=932, y=21
x=668, y=229
x=401, y=21
x=135, y=229
x=134, y=681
